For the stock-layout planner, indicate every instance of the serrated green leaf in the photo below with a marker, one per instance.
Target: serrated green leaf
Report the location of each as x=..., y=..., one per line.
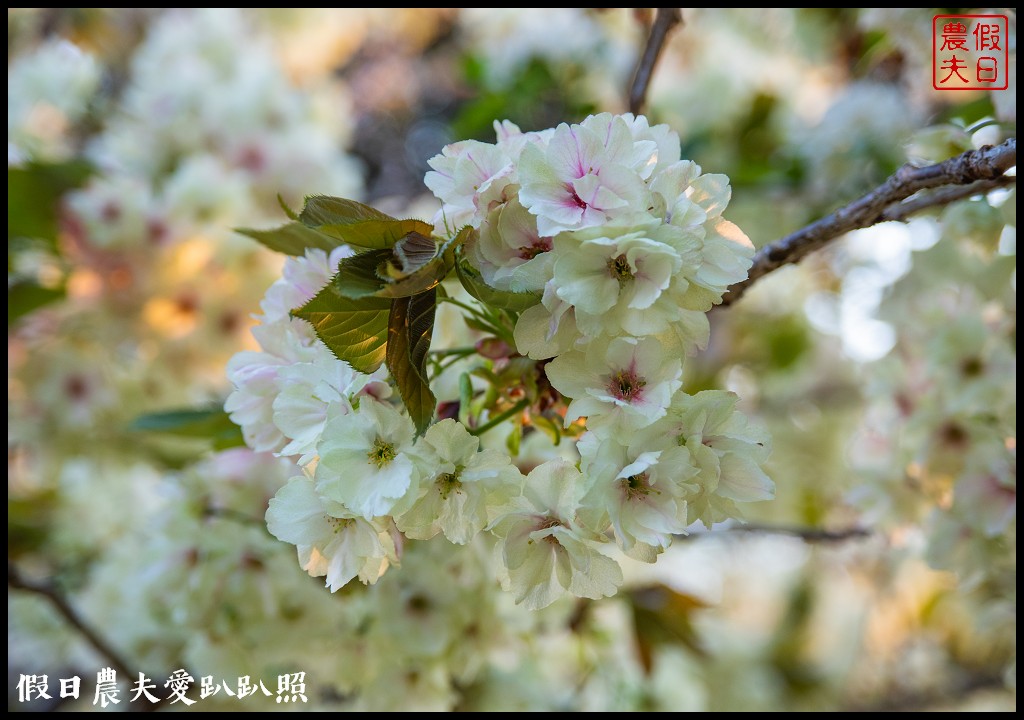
x=356, y=224
x=25, y=296
x=475, y=286
x=373, y=234
x=452, y=249
x=413, y=252
x=410, y=326
x=291, y=239
x=424, y=279
x=359, y=276
x=292, y=215
x=207, y=423
x=377, y=273
x=326, y=222
x=365, y=275
x=356, y=331
x=327, y=210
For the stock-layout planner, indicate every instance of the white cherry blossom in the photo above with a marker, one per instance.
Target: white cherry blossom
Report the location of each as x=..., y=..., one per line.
x=364, y=459
x=331, y=540
x=619, y=386
x=544, y=549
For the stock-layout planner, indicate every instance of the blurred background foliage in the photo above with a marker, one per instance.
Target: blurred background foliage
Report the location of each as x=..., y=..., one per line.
x=882, y=577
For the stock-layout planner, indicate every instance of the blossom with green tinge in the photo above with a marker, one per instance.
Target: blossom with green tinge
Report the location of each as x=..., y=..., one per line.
x=727, y=451
x=364, y=459
x=331, y=540
x=618, y=385
x=459, y=483
x=640, y=493
x=544, y=549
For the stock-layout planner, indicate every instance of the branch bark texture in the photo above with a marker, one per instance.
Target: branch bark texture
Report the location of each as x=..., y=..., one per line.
x=664, y=22
x=971, y=173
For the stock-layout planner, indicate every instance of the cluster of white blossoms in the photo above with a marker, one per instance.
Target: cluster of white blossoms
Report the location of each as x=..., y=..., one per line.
x=369, y=481
x=624, y=247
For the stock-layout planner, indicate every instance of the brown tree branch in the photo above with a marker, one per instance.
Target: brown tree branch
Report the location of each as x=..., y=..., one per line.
x=664, y=22
x=973, y=168
x=49, y=591
x=234, y=516
x=940, y=198
x=807, y=534
x=114, y=659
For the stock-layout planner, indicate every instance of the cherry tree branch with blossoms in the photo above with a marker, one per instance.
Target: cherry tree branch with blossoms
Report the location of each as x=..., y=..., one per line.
x=980, y=170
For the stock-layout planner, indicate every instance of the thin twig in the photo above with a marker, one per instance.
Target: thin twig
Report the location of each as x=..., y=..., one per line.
x=234, y=516
x=807, y=534
x=990, y=163
x=49, y=591
x=664, y=22
x=114, y=659
x=941, y=198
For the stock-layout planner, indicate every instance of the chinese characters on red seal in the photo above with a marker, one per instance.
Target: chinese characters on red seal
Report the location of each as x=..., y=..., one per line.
x=970, y=52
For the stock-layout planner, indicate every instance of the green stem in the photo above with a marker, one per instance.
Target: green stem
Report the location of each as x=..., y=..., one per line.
x=464, y=306
x=460, y=351
x=494, y=422
x=440, y=367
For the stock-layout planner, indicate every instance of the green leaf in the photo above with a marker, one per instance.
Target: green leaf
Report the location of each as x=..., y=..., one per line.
x=25, y=296
x=453, y=248
x=514, y=439
x=292, y=239
x=476, y=324
x=424, y=279
x=549, y=427
x=292, y=215
x=33, y=192
x=405, y=270
x=359, y=276
x=409, y=329
x=374, y=234
x=366, y=275
x=356, y=331
x=327, y=210
x=206, y=423
x=475, y=286
x=356, y=224
x=326, y=222
x=663, y=616
x=29, y=520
